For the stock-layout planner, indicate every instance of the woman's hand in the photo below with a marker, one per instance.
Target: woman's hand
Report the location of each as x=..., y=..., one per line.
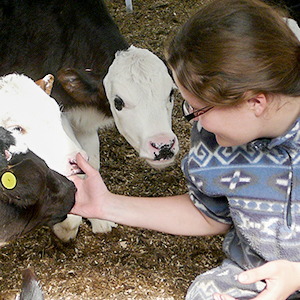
x=174, y=214
x=282, y=279
x=90, y=191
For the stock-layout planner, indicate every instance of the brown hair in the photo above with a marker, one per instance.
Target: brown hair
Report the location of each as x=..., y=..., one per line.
x=230, y=47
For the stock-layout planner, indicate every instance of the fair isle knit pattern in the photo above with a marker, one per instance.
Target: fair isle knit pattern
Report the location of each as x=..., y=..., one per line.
x=256, y=187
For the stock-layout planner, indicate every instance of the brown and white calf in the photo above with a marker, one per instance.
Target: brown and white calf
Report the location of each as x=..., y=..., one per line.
x=31, y=194
x=35, y=121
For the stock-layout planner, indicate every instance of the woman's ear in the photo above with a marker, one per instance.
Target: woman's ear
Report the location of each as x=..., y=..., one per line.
x=258, y=104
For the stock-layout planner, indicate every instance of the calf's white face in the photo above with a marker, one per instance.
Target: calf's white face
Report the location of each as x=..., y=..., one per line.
x=34, y=118
x=139, y=89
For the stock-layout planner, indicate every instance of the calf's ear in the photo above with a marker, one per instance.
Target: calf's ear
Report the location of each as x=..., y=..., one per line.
x=46, y=83
x=83, y=86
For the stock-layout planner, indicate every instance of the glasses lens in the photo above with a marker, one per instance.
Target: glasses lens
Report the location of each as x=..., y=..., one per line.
x=186, y=108
x=189, y=113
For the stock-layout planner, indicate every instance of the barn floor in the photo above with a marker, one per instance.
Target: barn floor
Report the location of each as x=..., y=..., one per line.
x=127, y=263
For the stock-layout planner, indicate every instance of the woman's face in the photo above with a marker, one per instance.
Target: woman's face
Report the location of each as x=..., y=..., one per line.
x=232, y=126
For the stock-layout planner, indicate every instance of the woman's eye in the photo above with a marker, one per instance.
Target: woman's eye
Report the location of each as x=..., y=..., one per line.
x=119, y=103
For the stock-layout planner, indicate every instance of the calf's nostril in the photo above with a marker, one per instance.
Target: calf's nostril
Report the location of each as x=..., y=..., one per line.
x=160, y=146
x=73, y=162
x=75, y=168
x=165, y=150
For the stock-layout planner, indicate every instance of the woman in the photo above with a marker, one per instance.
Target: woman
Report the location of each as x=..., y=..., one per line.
x=237, y=65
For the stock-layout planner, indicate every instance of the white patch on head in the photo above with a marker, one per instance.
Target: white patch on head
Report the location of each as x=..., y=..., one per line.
x=34, y=118
x=142, y=81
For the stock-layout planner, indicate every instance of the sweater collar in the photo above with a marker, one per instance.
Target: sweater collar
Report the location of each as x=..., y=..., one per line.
x=290, y=138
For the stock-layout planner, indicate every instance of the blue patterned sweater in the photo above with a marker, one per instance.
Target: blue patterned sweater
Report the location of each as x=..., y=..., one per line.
x=254, y=187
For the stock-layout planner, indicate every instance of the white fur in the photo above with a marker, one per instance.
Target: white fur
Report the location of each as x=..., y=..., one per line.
x=34, y=118
x=142, y=80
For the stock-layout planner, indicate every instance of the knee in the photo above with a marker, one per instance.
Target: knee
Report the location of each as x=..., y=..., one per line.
x=202, y=288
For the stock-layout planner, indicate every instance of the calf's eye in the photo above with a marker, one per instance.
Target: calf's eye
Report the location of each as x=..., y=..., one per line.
x=18, y=128
x=119, y=103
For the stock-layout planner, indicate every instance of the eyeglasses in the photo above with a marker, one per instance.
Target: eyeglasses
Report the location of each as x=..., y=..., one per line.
x=189, y=113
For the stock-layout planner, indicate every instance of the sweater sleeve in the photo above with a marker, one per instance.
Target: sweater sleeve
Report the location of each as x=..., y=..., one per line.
x=216, y=208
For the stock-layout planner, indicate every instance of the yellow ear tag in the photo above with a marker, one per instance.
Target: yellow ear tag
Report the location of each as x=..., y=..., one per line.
x=9, y=180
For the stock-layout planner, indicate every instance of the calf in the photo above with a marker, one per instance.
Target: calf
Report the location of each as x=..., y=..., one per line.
x=35, y=120
x=31, y=194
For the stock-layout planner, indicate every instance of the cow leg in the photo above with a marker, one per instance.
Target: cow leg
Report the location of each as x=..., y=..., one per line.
x=69, y=130
x=90, y=143
x=100, y=226
x=67, y=230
